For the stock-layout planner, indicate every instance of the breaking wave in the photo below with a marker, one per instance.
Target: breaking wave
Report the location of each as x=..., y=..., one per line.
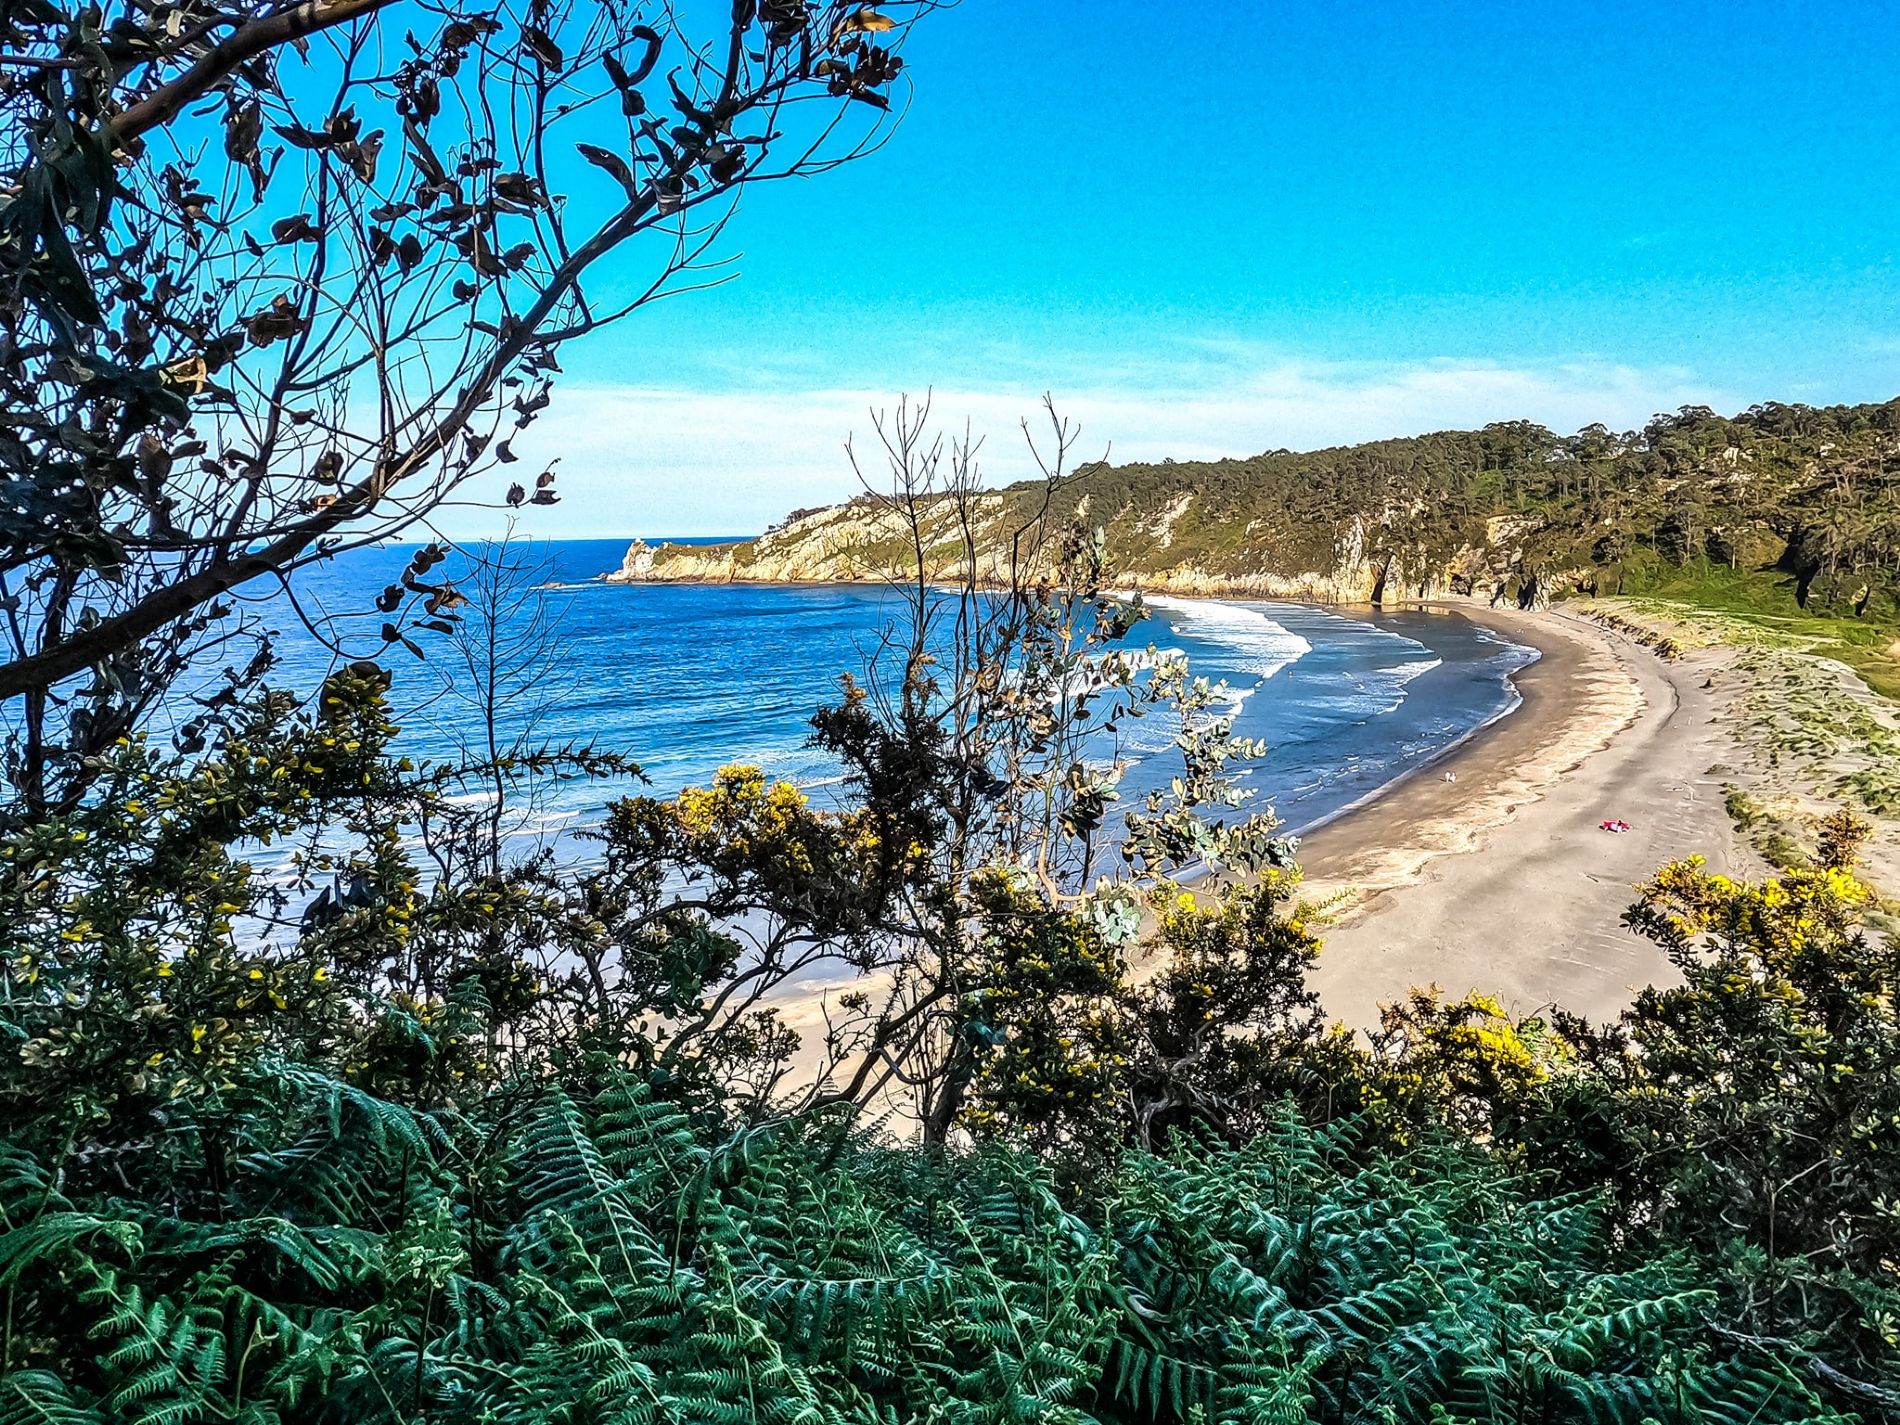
x=1255, y=643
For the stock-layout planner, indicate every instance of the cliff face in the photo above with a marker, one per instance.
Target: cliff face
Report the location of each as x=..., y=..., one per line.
x=1511, y=512
x=862, y=542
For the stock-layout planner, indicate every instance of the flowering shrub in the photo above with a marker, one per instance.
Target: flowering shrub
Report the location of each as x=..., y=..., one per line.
x=1753, y=1109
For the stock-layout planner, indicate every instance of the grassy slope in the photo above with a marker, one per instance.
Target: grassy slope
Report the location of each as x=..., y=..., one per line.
x=1815, y=740
x=1756, y=610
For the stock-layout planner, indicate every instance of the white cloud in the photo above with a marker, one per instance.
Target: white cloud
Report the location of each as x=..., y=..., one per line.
x=656, y=461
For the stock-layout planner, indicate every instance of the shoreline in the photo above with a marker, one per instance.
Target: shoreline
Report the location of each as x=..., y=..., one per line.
x=1500, y=881
x=1554, y=662
x=1439, y=759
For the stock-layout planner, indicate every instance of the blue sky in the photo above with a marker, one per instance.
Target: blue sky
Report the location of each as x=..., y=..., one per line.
x=1221, y=230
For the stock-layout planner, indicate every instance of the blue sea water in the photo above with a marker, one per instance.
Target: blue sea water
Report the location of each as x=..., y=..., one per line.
x=687, y=678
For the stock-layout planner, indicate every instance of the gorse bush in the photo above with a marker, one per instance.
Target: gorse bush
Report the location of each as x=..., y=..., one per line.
x=1752, y=1111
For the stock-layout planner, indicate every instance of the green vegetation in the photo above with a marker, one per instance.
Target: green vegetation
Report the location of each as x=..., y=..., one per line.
x=1783, y=516
x=1809, y=494
x=609, y=1258
x=1774, y=831
x=324, y=1102
x=1756, y=610
x=1745, y=811
x=429, y=1134
x=1809, y=715
x=1802, y=713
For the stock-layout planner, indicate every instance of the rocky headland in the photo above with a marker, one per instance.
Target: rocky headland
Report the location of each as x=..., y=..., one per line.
x=864, y=542
x=1794, y=498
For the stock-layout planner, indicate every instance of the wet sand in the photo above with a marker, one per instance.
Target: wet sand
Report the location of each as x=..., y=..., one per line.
x=1501, y=880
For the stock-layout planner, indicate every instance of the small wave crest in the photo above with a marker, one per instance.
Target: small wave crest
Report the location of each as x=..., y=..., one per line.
x=1253, y=647
x=1382, y=690
x=1403, y=673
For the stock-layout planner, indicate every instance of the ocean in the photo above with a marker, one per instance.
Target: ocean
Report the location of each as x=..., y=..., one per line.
x=686, y=678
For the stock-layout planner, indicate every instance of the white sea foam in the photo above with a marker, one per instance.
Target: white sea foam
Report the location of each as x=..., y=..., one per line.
x=1252, y=646
x=1255, y=642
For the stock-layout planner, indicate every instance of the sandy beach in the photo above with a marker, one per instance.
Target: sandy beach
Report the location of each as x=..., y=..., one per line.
x=1501, y=880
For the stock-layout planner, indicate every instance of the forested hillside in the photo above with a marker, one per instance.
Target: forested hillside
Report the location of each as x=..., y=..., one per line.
x=1806, y=497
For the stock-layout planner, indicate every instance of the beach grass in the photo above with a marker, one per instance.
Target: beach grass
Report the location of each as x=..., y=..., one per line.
x=1754, y=610
x=1815, y=708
